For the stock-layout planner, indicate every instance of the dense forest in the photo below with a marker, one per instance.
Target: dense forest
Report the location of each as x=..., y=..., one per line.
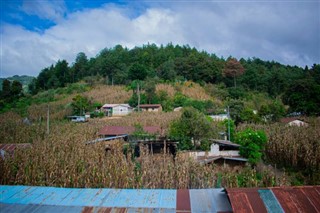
x=296, y=87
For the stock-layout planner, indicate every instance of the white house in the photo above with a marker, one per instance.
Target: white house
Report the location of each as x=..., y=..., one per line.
x=117, y=109
x=220, y=117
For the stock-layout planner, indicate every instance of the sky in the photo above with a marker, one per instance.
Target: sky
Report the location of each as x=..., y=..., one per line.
x=38, y=33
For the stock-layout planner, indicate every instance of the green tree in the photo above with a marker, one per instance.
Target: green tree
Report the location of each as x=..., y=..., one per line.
x=6, y=89
x=191, y=125
x=80, y=104
x=252, y=144
x=16, y=89
x=303, y=96
x=272, y=112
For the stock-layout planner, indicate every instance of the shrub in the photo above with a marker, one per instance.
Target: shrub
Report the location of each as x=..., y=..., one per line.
x=252, y=144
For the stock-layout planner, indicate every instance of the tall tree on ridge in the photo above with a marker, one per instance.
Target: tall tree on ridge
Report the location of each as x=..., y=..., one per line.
x=233, y=68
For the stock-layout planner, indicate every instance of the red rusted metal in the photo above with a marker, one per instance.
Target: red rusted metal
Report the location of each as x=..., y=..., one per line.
x=291, y=199
x=246, y=200
x=296, y=199
x=124, y=130
x=10, y=148
x=183, y=201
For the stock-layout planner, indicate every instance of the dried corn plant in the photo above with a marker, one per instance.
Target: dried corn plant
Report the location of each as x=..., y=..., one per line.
x=62, y=159
x=293, y=147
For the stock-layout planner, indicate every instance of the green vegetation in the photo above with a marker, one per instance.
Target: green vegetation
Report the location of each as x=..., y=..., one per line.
x=120, y=65
x=192, y=128
x=252, y=144
x=257, y=92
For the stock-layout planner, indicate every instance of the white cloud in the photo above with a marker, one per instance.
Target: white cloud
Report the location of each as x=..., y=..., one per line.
x=271, y=32
x=44, y=9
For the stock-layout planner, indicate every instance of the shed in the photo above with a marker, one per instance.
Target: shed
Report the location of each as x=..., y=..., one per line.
x=293, y=121
x=224, y=148
x=151, y=107
x=117, y=109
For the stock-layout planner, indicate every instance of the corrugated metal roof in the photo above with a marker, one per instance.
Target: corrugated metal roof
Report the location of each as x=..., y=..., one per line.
x=53, y=199
x=275, y=199
x=124, y=130
x=114, y=105
x=150, y=105
x=6, y=148
x=224, y=142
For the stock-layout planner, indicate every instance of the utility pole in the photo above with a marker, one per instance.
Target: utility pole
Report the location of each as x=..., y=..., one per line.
x=138, y=91
x=48, y=120
x=229, y=124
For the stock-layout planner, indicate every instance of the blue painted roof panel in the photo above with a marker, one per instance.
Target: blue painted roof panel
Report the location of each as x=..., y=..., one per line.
x=270, y=201
x=135, y=198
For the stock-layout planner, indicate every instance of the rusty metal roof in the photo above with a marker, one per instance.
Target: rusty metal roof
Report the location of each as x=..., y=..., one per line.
x=150, y=105
x=275, y=199
x=6, y=148
x=53, y=199
x=225, y=142
x=125, y=130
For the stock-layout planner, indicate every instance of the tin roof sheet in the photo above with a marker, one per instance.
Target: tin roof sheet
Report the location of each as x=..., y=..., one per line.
x=124, y=130
x=150, y=105
x=275, y=199
x=225, y=142
x=54, y=199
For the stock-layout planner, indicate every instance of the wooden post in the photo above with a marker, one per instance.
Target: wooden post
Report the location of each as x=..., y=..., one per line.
x=48, y=120
x=138, y=91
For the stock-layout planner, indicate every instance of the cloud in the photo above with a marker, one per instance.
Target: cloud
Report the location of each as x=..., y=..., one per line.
x=44, y=9
x=285, y=32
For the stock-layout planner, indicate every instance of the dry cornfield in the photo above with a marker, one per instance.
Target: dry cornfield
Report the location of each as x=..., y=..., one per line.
x=189, y=89
x=62, y=159
x=294, y=147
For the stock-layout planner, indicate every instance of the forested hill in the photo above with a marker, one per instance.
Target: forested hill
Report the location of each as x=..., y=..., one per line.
x=298, y=87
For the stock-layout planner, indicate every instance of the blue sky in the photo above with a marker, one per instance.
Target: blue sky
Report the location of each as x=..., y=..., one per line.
x=37, y=33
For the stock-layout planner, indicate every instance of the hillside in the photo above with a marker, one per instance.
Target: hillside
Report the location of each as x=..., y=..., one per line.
x=298, y=88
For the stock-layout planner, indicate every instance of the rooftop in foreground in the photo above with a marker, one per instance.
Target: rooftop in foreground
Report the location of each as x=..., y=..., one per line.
x=54, y=199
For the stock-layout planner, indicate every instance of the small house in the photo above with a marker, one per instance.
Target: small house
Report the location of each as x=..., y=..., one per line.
x=151, y=107
x=220, y=117
x=224, y=148
x=117, y=109
x=293, y=121
x=220, y=151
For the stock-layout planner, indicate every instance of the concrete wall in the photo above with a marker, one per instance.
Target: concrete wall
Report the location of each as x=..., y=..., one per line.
x=214, y=150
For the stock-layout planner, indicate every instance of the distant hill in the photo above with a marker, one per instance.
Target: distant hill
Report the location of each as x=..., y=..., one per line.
x=23, y=79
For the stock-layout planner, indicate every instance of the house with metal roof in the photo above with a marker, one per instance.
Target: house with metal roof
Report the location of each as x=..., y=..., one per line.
x=117, y=109
x=150, y=107
x=293, y=121
x=221, y=151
